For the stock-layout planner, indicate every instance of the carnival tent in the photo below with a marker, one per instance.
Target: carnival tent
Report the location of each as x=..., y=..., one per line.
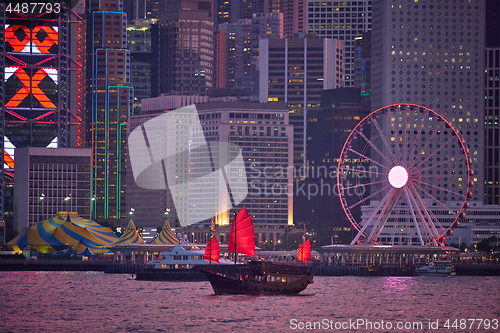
x=62, y=232
x=130, y=235
x=166, y=236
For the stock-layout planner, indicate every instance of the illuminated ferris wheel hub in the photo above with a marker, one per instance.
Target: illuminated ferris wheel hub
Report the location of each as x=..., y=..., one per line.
x=411, y=174
x=398, y=176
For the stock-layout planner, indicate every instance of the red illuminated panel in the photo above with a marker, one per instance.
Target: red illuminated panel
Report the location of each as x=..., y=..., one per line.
x=17, y=36
x=25, y=90
x=43, y=39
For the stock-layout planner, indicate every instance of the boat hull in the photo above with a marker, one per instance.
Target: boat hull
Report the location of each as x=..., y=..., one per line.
x=234, y=285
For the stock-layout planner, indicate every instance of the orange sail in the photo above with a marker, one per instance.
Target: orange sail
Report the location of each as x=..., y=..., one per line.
x=244, y=243
x=304, y=253
x=212, y=251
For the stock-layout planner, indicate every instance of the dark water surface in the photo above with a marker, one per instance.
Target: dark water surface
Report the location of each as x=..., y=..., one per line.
x=97, y=302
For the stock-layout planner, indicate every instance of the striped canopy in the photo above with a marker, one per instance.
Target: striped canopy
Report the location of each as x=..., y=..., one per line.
x=63, y=232
x=130, y=235
x=166, y=236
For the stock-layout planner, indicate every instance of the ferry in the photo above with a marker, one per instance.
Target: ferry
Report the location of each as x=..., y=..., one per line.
x=436, y=268
x=181, y=262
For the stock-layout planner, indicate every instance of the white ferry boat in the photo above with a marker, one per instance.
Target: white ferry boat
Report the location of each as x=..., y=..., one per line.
x=177, y=264
x=436, y=268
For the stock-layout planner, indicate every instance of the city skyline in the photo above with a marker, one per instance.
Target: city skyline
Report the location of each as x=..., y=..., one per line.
x=448, y=49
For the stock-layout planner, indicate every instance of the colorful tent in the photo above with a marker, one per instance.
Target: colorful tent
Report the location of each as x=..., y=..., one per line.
x=130, y=235
x=166, y=236
x=62, y=232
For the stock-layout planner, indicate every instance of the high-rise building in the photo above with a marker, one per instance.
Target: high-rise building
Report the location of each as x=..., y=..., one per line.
x=110, y=104
x=241, y=48
x=41, y=85
x=362, y=67
x=296, y=70
x=51, y=180
x=342, y=20
x=492, y=105
x=433, y=55
x=138, y=10
x=294, y=14
x=328, y=127
x=226, y=11
x=250, y=7
x=264, y=136
x=183, y=56
x=139, y=44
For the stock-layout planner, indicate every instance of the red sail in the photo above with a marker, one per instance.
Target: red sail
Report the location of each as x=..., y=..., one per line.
x=304, y=253
x=212, y=251
x=245, y=235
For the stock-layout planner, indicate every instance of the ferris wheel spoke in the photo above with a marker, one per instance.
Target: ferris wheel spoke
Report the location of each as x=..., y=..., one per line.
x=365, y=184
x=375, y=147
x=372, y=215
x=420, y=207
x=372, y=160
x=370, y=196
x=413, y=215
x=430, y=196
x=441, y=188
x=384, y=139
x=426, y=210
x=381, y=221
x=414, y=147
x=432, y=166
x=429, y=140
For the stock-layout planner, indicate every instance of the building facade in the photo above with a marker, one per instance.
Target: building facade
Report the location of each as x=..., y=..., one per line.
x=342, y=20
x=295, y=71
x=110, y=100
x=183, y=60
x=433, y=55
x=41, y=86
x=51, y=180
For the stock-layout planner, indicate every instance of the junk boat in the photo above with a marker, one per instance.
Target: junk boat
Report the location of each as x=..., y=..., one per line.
x=258, y=277
x=436, y=268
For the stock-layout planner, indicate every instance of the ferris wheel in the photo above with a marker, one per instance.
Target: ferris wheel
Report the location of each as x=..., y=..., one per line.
x=404, y=177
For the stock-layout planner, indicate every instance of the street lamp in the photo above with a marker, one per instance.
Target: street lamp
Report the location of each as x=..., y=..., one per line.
x=131, y=212
x=67, y=199
x=92, y=209
x=42, y=197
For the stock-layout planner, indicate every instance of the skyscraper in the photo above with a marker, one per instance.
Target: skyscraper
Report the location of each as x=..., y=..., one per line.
x=41, y=83
x=183, y=48
x=342, y=20
x=492, y=105
x=296, y=70
x=433, y=55
x=109, y=104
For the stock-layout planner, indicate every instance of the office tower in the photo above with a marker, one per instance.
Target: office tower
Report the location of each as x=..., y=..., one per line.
x=139, y=44
x=250, y=7
x=41, y=86
x=241, y=48
x=294, y=12
x=109, y=104
x=183, y=49
x=342, y=20
x=433, y=55
x=51, y=180
x=296, y=70
x=362, y=67
x=264, y=136
x=226, y=11
x=491, y=104
x=328, y=127
x=138, y=10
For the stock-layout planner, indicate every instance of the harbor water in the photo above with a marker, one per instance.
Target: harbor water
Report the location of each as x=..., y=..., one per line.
x=98, y=302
